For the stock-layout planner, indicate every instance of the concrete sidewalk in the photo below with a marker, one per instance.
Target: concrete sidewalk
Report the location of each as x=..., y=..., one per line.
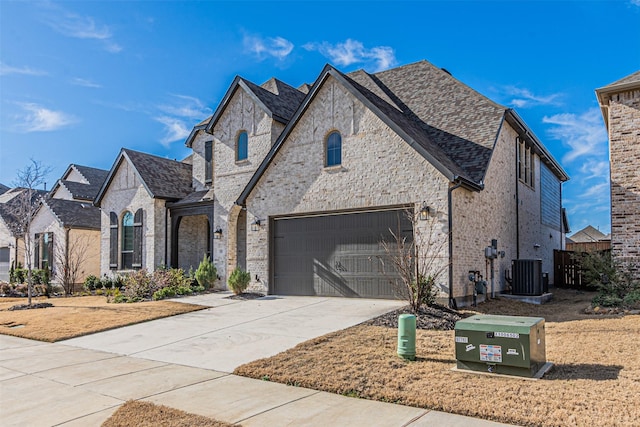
x=81, y=382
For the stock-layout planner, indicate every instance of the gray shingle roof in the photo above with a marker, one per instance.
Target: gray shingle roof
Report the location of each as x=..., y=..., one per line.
x=75, y=214
x=164, y=178
x=196, y=197
x=11, y=210
x=461, y=121
x=283, y=104
x=95, y=176
x=631, y=78
x=3, y=188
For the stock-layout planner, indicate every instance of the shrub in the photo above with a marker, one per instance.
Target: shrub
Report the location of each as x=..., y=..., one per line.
x=91, y=283
x=17, y=275
x=163, y=293
x=115, y=296
x=632, y=299
x=206, y=274
x=137, y=286
x=616, y=285
x=239, y=280
x=5, y=288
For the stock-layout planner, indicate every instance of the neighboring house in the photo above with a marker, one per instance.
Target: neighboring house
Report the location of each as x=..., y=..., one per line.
x=154, y=213
x=66, y=228
x=12, y=207
x=588, y=239
x=620, y=105
x=3, y=188
x=299, y=186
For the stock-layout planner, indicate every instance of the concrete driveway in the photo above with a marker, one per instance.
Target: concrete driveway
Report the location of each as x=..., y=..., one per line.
x=234, y=332
x=185, y=362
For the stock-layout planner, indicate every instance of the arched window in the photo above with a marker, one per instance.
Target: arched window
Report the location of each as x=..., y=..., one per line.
x=242, y=146
x=127, y=241
x=334, y=149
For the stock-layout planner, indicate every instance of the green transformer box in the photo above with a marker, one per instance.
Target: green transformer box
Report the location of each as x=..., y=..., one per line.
x=509, y=345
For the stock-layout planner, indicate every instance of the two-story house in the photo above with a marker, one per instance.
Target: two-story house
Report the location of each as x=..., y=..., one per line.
x=301, y=186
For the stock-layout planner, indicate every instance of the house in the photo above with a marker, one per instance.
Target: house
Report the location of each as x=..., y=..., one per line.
x=588, y=239
x=66, y=227
x=13, y=208
x=620, y=106
x=154, y=212
x=300, y=186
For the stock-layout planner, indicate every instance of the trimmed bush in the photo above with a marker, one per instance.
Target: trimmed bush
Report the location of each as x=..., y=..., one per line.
x=239, y=280
x=91, y=283
x=206, y=274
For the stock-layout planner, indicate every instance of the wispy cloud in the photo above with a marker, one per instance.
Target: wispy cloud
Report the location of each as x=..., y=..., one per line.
x=524, y=98
x=174, y=129
x=635, y=2
x=27, y=71
x=85, y=82
x=353, y=52
x=179, y=116
x=261, y=47
x=78, y=26
x=584, y=134
x=36, y=118
x=595, y=169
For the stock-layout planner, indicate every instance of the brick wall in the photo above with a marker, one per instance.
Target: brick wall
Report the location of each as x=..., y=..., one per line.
x=624, y=138
x=126, y=193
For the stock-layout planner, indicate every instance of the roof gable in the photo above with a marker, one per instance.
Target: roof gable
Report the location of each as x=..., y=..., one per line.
x=162, y=178
x=279, y=107
x=93, y=178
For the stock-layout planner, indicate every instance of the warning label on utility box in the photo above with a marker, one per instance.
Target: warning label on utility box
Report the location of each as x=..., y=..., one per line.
x=490, y=353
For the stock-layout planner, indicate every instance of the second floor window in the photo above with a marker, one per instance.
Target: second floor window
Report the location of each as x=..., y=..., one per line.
x=208, y=162
x=242, y=147
x=333, y=149
x=525, y=164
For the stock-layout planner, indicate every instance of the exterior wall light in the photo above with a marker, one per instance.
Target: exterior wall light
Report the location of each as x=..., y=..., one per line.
x=217, y=234
x=255, y=225
x=424, y=212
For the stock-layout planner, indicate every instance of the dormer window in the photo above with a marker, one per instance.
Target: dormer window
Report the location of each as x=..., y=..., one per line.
x=333, y=155
x=242, y=146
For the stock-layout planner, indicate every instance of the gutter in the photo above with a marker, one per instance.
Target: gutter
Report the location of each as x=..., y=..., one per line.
x=452, y=301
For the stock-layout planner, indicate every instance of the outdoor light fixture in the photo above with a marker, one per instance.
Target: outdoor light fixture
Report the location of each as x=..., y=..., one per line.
x=217, y=234
x=424, y=212
x=255, y=225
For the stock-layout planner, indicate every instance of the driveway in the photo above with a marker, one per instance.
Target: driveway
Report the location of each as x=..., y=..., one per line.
x=234, y=332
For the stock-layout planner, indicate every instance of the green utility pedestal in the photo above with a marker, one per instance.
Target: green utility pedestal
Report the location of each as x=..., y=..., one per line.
x=407, y=336
x=510, y=345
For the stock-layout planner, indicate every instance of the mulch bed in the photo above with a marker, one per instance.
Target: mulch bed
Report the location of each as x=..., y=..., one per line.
x=245, y=296
x=28, y=307
x=436, y=317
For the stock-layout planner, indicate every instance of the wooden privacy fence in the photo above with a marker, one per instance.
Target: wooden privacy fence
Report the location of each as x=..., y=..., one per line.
x=568, y=273
x=567, y=270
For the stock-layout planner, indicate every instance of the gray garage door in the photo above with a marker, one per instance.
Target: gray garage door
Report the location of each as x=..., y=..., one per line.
x=336, y=255
x=4, y=264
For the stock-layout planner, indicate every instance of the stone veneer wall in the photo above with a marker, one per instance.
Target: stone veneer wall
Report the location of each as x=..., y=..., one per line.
x=126, y=192
x=624, y=138
x=192, y=241
x=230, y=177
x=378, y=169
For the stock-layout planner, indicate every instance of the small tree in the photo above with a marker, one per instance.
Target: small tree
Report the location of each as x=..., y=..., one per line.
x=239, y=280
x=70, y=259
x=416, y=260
x=206, y=274
x=24, y=208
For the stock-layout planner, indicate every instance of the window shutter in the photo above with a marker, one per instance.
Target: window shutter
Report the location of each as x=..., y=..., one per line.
x=208, y=163
x=36, y=251
x=137, y=239
x=113, y=241
x=49, y=250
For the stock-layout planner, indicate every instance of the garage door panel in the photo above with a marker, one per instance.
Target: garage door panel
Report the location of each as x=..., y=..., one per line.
x=335, y=255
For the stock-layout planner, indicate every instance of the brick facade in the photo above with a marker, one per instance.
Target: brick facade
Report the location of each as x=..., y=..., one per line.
x=621, y=105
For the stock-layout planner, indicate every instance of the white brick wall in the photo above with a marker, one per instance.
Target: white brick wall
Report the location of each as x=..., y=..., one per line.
x=126, y=193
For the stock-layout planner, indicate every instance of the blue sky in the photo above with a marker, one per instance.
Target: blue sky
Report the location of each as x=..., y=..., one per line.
x=80, y=80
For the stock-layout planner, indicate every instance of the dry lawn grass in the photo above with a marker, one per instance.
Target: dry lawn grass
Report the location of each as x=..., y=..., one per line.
x=595, y=380
x=76, y=316
x=146, y=414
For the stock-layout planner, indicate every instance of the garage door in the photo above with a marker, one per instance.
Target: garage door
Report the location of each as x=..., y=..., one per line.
x=336, y=255
x=4, y=264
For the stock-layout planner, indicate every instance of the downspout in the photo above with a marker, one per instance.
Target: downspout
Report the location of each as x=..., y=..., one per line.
x=67, y=230
x=517, y=199
x=452, y=301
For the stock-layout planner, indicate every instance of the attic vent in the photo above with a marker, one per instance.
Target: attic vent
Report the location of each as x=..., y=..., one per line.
x=447, y=71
